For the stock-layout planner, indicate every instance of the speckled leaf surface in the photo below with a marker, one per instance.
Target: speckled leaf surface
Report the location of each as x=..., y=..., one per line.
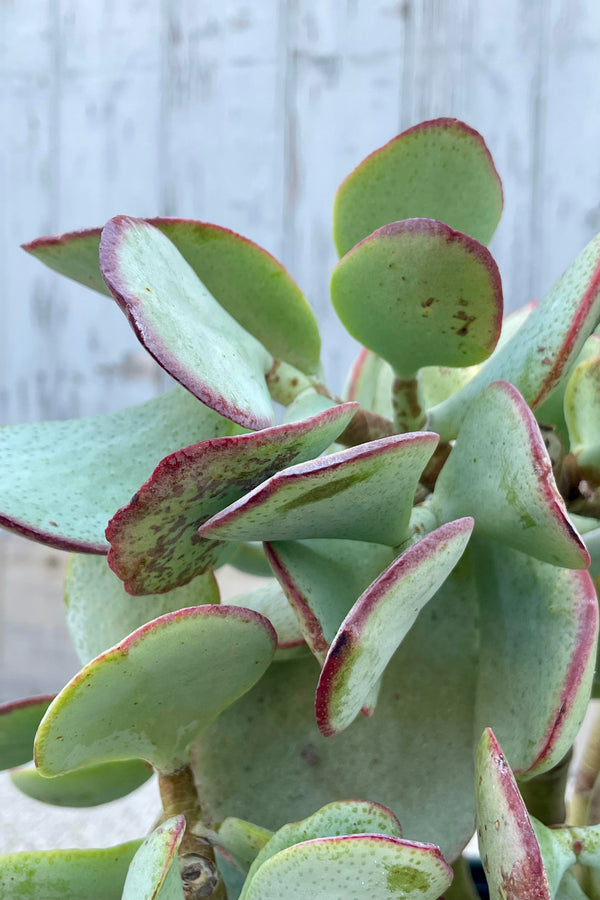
x=538, y=633
x=333, y=820
x=154, y=870
x=100, y=613
x=19, y=721
x=364, y=493
x=552, y=410
x=502, y=476
x=155, y=691
x=49, y=471
x=154, y=542
x=66, y=874
x=182, y=326
x=343, y=868
x=440, y=169
x=582, y=415
x=270, y=601
x=242, y=841
x=323, y=579
x=246, y=280
x=91, y=786
x=380, y=620
x=509, y=849
x=418, y=293
x=544, y=348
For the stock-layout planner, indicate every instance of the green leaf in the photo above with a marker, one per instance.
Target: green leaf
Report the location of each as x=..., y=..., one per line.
x=242, y=841
x=247, y=281
x=154, y=541
x=250, y=558
x=370, y=383
x=582, y=412
x=150, y=696
x=439, y=169
x=181, y=324
x=500, y=473
x=154, y=870
x=364, y=493
x=66, y=874
x=19, y=721
x=419, y=294
x=270, y=601
x=552, y=410
x=380, y=620
x=49, y=472
x=544, y=348
x=323, y=579
x=87, y=787
x=100, y=613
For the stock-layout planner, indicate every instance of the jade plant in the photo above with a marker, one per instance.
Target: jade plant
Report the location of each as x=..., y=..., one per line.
x=426, y=542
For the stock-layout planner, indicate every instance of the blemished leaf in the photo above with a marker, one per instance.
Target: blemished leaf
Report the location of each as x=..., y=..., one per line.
x=441, y=169
x=509, y=849
x=242, y=841
x=582, y=413
x=380, y=620
x=50, y=484
x=323, y=579
x=270, y=601
x=182, y=326
x=66, y=874
x=500, y=473
x=100, y=613
x=340, y=818
x=364, y=493
x=154, y=692
x=19, y=721
x=154, y=541
x=246, y=280
x=91, y=786
x=343, y=868
x=154, y=870
x=544, y=348
x=418, y=293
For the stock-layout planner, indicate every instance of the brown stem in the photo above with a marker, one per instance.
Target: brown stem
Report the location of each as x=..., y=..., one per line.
x=199, y=874
x=366, y=426
x=409, y=414
x=589, y=769
x=544, y=795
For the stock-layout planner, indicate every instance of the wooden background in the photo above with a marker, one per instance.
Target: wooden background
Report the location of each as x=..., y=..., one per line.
x=249, y=114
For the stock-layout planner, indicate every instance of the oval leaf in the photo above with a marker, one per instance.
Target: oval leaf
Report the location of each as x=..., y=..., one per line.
x=270, y=601
x=182, y=325
x=87, y=787
x=154, y=692
x=19, y=722
x=242, y=841
x=419, y=294
x=441, y=169
x=154, y=870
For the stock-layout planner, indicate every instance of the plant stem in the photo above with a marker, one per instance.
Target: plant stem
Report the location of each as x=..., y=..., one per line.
x=199, y=874
x=589, y=769
x=409, y=414
x=544, y=795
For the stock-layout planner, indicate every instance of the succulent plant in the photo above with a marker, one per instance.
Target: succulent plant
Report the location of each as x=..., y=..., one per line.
x=426, y=538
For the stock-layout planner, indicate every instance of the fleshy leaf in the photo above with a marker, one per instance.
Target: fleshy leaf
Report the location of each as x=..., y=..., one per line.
x=181, y=324
x=100, y=613
x=242, y=841
x=364, y=493
x=340, y=818
x=155, y=691
x=509, y=849
x=49, y=471
x=323, y=579
x=87, y=787
x=582, y=414
x=250, y=558
x=370, y=382
x=154, y=870
x=552, y=410
x=246, y=280
x=270, y=601
x=419, y=294
x=441, y=169
x=544, y=348
x=66, y=874
x=154, y=541
x=19, y=721
x=343, y=868
x=380, y=620
x=500, y=473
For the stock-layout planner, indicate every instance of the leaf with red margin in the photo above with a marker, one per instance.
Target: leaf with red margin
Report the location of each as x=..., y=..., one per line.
x=155, y=691
x=19, y=721
x=50, y=487
x=582, y=413
x=364, y=493
x=544, y=348
x=380, y=620
x=418, y=293
x=249, y=283
x=499, y=472
x=154, y=541
x=154, y=870
x=181, y=324
x=441, y=169
x=509, y=849
x=552, y=410
x=270, y=601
